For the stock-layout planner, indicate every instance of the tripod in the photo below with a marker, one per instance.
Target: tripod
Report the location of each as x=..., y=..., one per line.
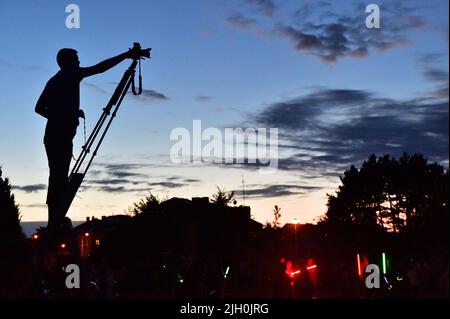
x=78, y=173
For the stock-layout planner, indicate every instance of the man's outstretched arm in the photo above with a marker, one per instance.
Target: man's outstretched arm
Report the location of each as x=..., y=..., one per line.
x=105, y=65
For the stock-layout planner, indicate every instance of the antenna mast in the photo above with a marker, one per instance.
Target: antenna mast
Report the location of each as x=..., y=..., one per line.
x=243, y=190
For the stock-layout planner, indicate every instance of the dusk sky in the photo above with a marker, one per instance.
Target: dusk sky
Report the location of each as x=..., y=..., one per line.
x=336, y=91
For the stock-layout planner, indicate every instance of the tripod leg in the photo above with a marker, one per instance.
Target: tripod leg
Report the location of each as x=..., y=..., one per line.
x=106, y=111
x=76, y=177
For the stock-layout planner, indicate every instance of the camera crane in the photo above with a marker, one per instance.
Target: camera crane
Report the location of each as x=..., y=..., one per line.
x=78, y=172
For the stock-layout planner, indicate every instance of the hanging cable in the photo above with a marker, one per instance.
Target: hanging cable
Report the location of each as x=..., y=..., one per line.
x=133, y=88
x=84, y=126
x=84, y=131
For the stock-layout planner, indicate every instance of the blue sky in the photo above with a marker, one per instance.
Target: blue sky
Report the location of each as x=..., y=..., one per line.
x=336, y=90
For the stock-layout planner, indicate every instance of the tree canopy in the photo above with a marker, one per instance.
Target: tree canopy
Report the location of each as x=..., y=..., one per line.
x=276, y=216
x=10, y=230
x=405, y=194
x=147, y=204
x=222, y=198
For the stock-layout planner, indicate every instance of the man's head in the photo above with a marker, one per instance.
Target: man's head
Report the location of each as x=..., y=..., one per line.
x=67, y=59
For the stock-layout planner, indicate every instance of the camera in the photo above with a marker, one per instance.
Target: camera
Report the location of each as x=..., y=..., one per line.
x=137, y=52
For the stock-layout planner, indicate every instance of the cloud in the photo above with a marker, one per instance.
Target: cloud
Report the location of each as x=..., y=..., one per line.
x=307, y=9
x=36, y=68
x=327, y=130
x=431, y=58
x=266, y=7
x=118, y=173
x=328, y=42
x=279, y=190
x=121, y=174
x=441, y=92
x=147, y=95
x=239, y=21
x=335, y=40
x=440, y=78
x=183, y=179
x=436, y=75
x=124, y=177
x=435, y=70
x=228, y=109
x=203, y=98
x=113, y=189
x=191, y=180
x=167, y=184
x=151, y=95
x=123, y=166
x=124, y=187
x=31, y=188
x=116, y=181
x=317, y=30
x=305, y=111
x=35, y=205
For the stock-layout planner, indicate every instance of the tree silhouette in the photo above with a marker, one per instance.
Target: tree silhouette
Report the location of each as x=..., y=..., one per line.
x=407, y=194
x=15, y=256
x=276, y=216
x=147, y=204
x=10, y=230
x=222, y=198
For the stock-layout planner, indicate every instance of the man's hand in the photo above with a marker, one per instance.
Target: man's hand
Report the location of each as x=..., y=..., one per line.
x=81, y=114
x=133, y=53
x=136, y=53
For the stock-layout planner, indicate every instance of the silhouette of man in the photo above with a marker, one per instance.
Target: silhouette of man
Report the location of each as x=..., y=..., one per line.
x=60, y=104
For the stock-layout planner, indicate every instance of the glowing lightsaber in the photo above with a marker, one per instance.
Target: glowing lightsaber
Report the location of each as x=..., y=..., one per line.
x=358, y=259
x=226, y=272
x=295, y=273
